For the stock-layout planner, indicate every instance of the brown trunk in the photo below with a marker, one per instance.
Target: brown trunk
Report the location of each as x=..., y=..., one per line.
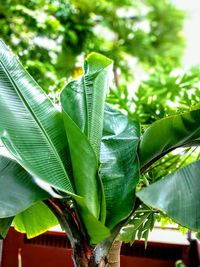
x=81, y=254
x=114, y=255
x=83, y=257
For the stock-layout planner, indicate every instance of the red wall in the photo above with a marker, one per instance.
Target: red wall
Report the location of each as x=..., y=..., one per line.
x=52, y=249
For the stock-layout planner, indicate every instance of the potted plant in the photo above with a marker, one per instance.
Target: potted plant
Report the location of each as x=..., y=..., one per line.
x=79, y=166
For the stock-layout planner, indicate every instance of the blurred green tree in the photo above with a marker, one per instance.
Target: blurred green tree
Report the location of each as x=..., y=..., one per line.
x=49, y=36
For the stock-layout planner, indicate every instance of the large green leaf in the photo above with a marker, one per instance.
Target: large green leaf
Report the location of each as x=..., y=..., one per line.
x=83, y=99
x=30, y=126
x=5, y=224
x=85, y=169
x=177, y=195
x=18, y=190
x=119, y=164
x=167, y=134
x=85, y=166
x=35, y=220
x=83, y=106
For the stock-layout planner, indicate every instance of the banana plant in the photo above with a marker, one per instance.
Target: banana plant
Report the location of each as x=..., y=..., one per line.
x=79, y=165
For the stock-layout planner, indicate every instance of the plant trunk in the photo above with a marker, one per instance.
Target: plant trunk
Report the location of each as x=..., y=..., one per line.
x=105, y=254
x=114, y=254
x=84, y=257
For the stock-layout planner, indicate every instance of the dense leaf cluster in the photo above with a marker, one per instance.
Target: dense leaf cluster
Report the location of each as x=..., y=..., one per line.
x=89, y=153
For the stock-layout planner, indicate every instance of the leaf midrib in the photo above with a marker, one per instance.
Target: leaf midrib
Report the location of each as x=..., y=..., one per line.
x=86, y=108
x=43, y=131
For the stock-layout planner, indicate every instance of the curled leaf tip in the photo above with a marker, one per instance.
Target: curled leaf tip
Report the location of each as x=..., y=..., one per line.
x=97, y=62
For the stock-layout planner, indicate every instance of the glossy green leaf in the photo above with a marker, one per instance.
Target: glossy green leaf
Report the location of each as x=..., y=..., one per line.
x=35, y=220
x=85, y=171
x=119, y=164
x=18, y=190
x=96, y=78
x=177, y=195
x=30, y=126
x=85, y=98
x=167, y=134
x=96, y=230
x=5, y=224
x=85, y=166
x=83, y=106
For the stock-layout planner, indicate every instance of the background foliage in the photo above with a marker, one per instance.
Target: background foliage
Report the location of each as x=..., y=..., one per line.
x=49, y=36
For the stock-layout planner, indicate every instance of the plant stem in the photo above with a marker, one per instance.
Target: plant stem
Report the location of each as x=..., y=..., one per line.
x=66, y=220
x=114, y=254
x=105, y=254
